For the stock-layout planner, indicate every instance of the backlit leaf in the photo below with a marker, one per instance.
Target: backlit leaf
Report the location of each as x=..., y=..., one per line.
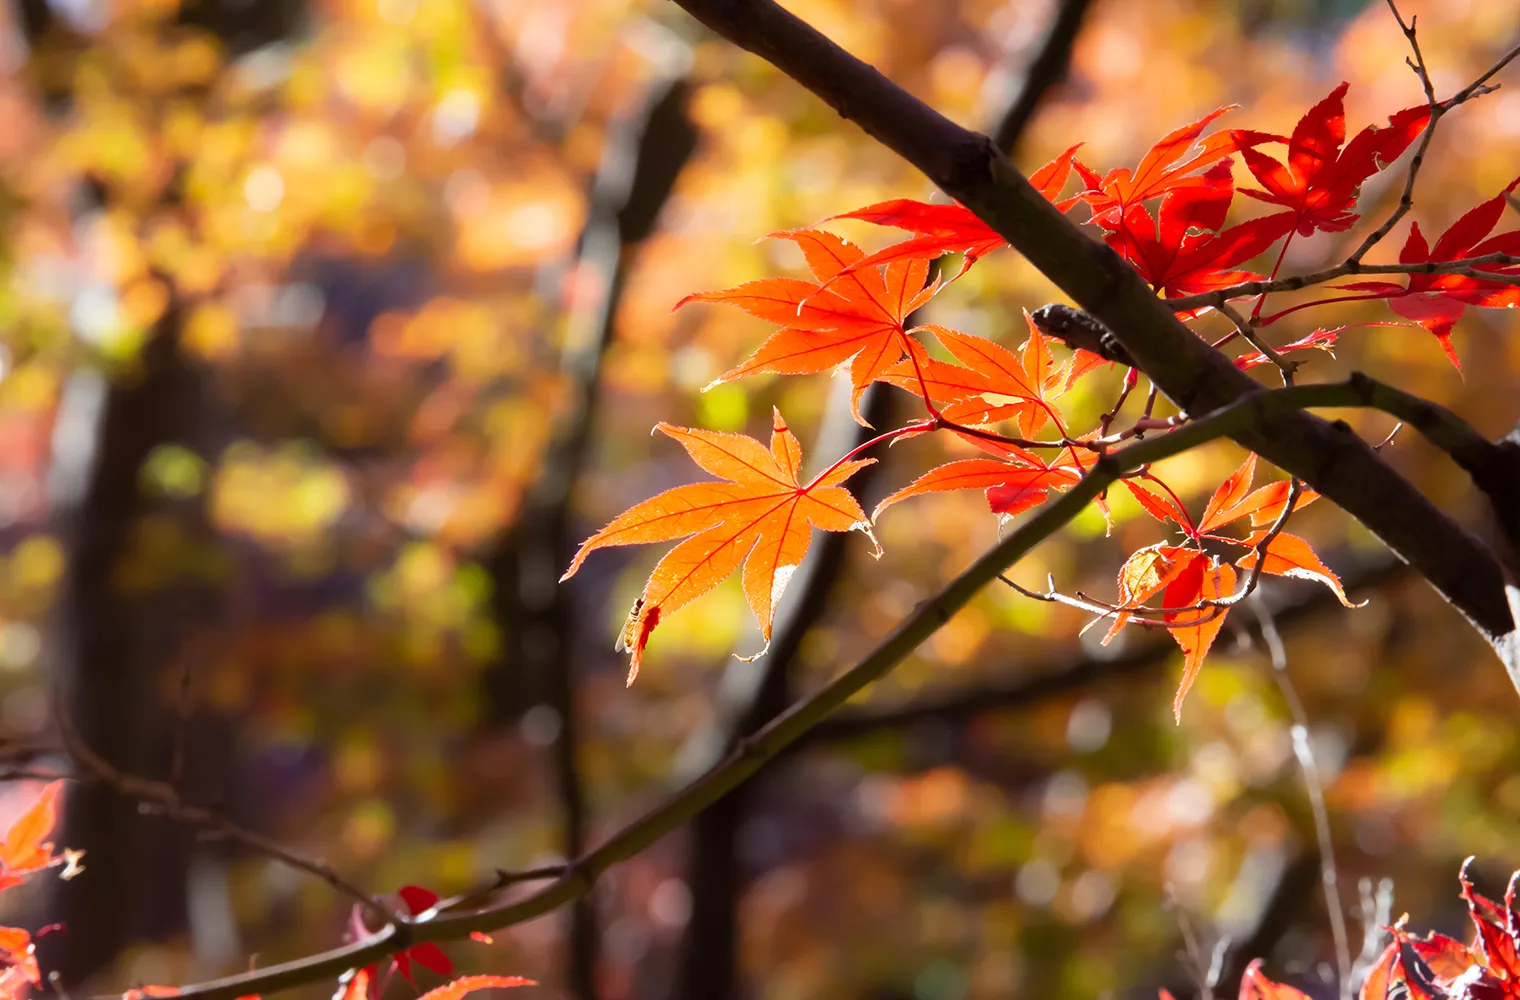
x=1195, y=630
x=762, y=517
x=1289, y=555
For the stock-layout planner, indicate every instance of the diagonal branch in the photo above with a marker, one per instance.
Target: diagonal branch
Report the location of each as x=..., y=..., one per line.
x=709, y=962
x=764, y=746
x=1197, y=378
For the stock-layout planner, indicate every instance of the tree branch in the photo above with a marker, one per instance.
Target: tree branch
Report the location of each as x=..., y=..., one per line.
x=1197, y=378
x=756, y=751
x=708, y=961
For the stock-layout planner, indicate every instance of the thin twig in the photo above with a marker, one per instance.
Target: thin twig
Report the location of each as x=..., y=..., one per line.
x=1247, y=330
x=1406, y=198
x=1466, y=266
x=499, y=881
x=1012, y=686
x=1192, y=953
x=165, y=799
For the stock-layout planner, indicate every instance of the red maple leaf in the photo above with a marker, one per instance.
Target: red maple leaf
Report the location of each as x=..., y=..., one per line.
x=1320, y=340
x=953, y=228
x=859, y=318
x=1437, y=301
x=428, y=955
x=760, y=515
x=18, y=954
x=1320, y=181
x=1184, y=248
x=1159, y=171
x=992, y=384
x=1437, y=967
x=1012, y=487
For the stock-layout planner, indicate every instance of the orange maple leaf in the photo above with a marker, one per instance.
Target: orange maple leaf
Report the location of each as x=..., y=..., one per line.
x=760, y=516
x=24, y=850
x=858, y=318
x=1188, y=580
x=991, y=384
x=468, y=984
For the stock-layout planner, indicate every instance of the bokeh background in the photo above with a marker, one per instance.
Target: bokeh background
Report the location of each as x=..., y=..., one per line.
x=328, y=327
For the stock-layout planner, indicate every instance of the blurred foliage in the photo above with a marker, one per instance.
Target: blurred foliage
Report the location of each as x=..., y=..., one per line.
x=367, y=232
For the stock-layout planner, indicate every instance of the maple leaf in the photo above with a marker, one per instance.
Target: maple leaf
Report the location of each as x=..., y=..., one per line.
x=1255, y=986
x=428, y=955
x=469, y=984
x=991, y=383
x=953, y=228
x=1184, y=249
x=1320, y=181
x=1186, y=577
x=858, y=319
x=19, y=954
x=24, y=850
x=758, y=516
x=1497, y=946
x=1194, y=630
x=1437, y=301
x=1438, y=967
x=1320, y=340
x=1011, y=488
x=1112, y=195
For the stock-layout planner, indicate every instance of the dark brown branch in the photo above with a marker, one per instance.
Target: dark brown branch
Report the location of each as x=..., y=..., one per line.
x=1329, y=457
x=755, y=752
